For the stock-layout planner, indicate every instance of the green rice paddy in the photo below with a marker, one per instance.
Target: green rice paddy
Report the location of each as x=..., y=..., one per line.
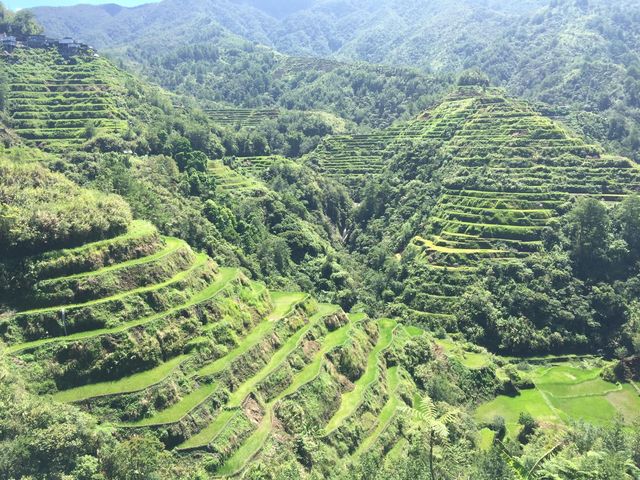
x=134, y=383
x=566, y=392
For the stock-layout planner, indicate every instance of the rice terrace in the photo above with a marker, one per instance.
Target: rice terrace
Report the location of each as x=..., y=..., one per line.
x=359, y=240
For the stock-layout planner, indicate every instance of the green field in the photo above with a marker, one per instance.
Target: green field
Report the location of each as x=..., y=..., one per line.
x=387, y=414
x=52, y=100
x=257, y=440
x=178, y=410
x=565, y=392
x=283, y=302
x=471, y=360
x=134, y=383
x=171, y=246
x=226, y=275
x=207, y=435
x=249, y=448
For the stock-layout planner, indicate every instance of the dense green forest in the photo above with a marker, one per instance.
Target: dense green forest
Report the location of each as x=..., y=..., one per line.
x=578, y=57
x=321, y=239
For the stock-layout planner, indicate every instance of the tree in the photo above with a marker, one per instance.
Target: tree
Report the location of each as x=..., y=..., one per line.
x=24, y=23
x=529, y=426
x=139, y=458
x=589, y=232
x=628, y=218
x=434, y=424
x=473, y=77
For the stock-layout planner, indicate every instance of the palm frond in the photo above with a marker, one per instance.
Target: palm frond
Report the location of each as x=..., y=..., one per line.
x=518, y=469
x=440, y=430
x=426, y=406
x=544, y=458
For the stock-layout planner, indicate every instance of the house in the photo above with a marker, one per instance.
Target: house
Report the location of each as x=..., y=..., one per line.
x=9, y=43
x=68, y=46
x=65, y=42
x=36, y=41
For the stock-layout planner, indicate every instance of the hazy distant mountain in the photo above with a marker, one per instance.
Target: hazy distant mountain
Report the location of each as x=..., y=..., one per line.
x=558, y=51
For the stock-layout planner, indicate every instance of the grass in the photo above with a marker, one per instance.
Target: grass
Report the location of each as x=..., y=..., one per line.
x=352, y=400
x=206, y=436
x=413, y=331
x=565, y=392
x=172, y=245
x=226, y=275
x=485, y=439
x=387, y=414
x=51, y=100
x=250, y=448
x=531, y=401
x=131, y=384
x=311, y=371
x=137, y=229
x=284, y=302
x=201, y=260
x=472, y=360
x=256, y=441
x=178, y=410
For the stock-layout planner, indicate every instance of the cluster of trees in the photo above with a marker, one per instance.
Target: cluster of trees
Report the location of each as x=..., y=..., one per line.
x=239, y=73
x=518, y=45
x=43, y=439
x=286, y=233
x=20, y=23
x=579, y=294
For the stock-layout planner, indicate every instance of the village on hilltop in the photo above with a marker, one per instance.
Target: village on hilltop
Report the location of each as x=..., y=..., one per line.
x=67, y=45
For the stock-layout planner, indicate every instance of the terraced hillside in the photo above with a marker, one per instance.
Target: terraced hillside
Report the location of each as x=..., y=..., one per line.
x=57, y=103
x=255, y=166
x=149, y=336
x=353, y=155
x=566, y=391
x=511, y=173
x=243, y=117
x=231, y=181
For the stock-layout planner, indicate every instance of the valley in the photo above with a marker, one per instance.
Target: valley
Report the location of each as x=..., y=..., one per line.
x=249, y=240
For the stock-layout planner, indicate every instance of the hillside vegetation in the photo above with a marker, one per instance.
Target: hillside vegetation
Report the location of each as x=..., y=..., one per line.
x=578, y=56
x=155, y=338
x=489, y=192
x=296, y=267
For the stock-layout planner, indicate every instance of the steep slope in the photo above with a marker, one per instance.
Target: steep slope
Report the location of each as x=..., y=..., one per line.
x=559, y=52
x=109, y=25
x=103, y=312
x=120, y=134
x=307, y=27
x=57, y=103
x=513, y=172
x=496, y=177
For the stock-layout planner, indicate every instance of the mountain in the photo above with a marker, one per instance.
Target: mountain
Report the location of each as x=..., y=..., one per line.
x=279, y=9
x=475, y=193
x=558, y=52
x=219, y=260
x=159, y=343
x=106, y=128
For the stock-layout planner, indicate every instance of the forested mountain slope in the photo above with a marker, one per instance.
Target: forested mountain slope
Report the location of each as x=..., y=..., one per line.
x=168, y=350
x=296, y=267
x=109, y=130
x=568, y=53
x=485, y=189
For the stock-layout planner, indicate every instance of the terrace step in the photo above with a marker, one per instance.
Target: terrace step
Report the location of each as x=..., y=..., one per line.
x=236, y=399
x=352, y=399
x=284, y=304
